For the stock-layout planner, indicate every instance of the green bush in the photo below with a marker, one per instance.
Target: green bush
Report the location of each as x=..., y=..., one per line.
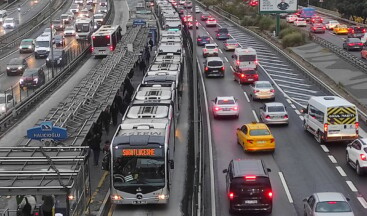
x=293, y=39
x=248, y=21
x=286, y=31
x=266, y=23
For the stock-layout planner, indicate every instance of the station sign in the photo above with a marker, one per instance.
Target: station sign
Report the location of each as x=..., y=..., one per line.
x=137, y=22
x=46, y=130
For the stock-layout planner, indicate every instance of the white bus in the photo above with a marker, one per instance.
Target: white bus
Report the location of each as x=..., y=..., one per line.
x=105, y=39
x=83, y=28
x=331, y=119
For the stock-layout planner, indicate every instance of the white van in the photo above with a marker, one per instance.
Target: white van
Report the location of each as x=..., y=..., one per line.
x=331, y=119
x=43, y=46
x=3, y=15
x=244, y=58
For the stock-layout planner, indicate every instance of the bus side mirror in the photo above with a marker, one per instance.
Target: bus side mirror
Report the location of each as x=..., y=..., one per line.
x=171, y=164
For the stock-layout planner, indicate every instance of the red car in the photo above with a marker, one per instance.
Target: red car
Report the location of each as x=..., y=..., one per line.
x=316, y=19
x=318, y=28
x=187, y=18
x=247, y=75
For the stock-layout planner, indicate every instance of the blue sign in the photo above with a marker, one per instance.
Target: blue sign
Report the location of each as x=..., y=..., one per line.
x=139, y=22
x=47, y=131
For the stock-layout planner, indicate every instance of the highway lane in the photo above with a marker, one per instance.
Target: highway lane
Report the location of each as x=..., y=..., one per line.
x=306, y=167
x=72, y=46
x=27, y=11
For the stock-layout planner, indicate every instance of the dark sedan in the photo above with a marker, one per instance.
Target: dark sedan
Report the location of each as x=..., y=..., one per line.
x=202, y=40
x=59, y=58
x=222, y=34
x=356, y=31
x=353, y=44
x=16, y=66
x=317, y=28
x=59, y=40
x=32, y=78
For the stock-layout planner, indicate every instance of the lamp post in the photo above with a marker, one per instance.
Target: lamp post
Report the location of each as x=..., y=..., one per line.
x=52, y=42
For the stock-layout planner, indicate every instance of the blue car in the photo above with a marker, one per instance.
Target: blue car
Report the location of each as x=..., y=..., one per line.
x=222, y=34
x=202, y=40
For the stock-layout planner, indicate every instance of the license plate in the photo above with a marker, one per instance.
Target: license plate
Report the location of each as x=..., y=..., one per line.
x=250, y=201
x=215, y=70
x=226, y=109
x=333, y=131
x=139, y=202
x=261, y=141
x=250, y=79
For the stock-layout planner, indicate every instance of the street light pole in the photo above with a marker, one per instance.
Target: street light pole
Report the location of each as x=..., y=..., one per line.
x=52, y=43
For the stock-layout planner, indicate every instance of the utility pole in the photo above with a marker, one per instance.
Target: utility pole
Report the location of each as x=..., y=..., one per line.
x=52, y=42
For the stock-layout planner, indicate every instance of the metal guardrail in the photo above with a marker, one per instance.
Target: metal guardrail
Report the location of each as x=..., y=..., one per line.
x=13, y=38
x=280, y=51
x=12, y=115
x=5, y=6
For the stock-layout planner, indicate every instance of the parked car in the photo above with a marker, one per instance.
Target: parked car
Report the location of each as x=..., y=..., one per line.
x=16, y=66
x=353, y=44
x=32, y=78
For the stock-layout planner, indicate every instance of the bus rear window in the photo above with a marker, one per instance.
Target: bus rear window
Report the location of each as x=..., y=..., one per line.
x=244, y=58
x=101, y=41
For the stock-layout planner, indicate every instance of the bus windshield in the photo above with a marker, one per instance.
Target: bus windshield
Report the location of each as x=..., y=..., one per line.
x=82, y=27
x=138, y=167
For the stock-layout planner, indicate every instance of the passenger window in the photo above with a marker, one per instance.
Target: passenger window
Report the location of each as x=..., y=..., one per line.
x=311, y=202
x=357, y=145
x=244, y=129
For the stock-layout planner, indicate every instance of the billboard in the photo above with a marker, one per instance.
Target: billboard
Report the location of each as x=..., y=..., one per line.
x=280, y=6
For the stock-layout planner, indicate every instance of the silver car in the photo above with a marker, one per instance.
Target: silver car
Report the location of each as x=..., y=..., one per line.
x=262, y=90
x=274, y=113
x=225, y=106
x=327, y=203
x=230, y=44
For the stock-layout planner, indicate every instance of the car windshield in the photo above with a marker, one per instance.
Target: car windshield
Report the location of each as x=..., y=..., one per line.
x=98, y=16
x=263, y=85
x=43, y=43
x=342, y=26
x=210, y=47
x=246, y=71
x=333, y=206
x=354, y=40
x=8, y=21
x=27, y=43
x=334, y=22
x=224, y=102
x=275, y=109
x=203, y=37
x=64, y=16
x=222, y=30
x=259, y=132
x=30, y=73
x=211, y=19
x=215, y=63
x=231, y=41
x=365, y=150
x=69, y=28
x=56, y=22
x=15, y=61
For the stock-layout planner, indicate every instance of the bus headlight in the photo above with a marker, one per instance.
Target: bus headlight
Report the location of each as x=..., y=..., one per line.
x=116, y=197
x=162, y=196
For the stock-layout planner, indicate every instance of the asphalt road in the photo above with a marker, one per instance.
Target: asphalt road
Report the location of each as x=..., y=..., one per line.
x=303, y=163
x=28, y=9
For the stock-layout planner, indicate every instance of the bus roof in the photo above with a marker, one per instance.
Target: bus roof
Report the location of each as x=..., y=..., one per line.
x=106, y=30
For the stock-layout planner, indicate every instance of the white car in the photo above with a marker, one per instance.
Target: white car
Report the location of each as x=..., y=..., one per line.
x=197, y=9
x=103, y=9
x=331, y=24
x=300, y=22
x=211, y=22
x=69, y=31
x=357, y=155
x=9, y=23
x=262, y=90
x=291, y=18
x=48, y=31
x=274, y=113
x=225, y=106
x=327, y=204
x=6, y=102
x=210, y=50
x=181, y=2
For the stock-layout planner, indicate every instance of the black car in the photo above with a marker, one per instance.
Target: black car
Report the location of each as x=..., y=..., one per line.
x=353, y=44
x=356, y=31
x=214, y=66
x=202, y=40
x=32, y=78
x=58, y=25
x=222, y=34
x=59, y=40
x=16, y=66
x=59, y=58
x=248, y=187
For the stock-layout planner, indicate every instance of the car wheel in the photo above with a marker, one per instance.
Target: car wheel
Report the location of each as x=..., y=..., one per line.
x=238, y=141
x=347, y=157
x=318, y=137
x=359, y=169
x=239, y=81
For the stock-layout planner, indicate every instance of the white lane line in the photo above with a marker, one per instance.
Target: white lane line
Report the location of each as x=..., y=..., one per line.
x=276, y=67
x=226, y=59
x=351, y=186
x=220, y=51
x=232, y=68
x=253, y=112
x=298, y=113
x=284, y=183
x=287, y=77
x=300, y=99
x=292, y=82
x=301, y=117
x=294, y=107
x=211, y=38
x=282, y=72
x=207, y=32
x=341, y=171
x=246, y=96
x=289, y=101
x=211, y=161
x=324, y=148
x=296, y=93
x=363, y=202
x=332, y=158
x=295, y=88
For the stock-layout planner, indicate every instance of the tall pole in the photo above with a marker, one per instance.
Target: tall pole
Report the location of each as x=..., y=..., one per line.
x=51, y=44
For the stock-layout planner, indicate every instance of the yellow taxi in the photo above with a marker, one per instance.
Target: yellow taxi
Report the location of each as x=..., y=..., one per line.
x=255, y=137
x=340, y=29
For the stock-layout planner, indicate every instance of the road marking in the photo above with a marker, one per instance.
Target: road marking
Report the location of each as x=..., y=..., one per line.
x=298, y=113
x=211, y=165
x=289, y=101
x=363, y=202
x=232, y=68
x=226, y=59
x=276, y=67
x=286, y=77
x=253, y=112
x=246, y=96
x=302, y=89
x=301, y=117
x=341, y=171
x=220, y=50
x=296, y=93
x=351, y=186
x=211, y=37
x=332, y=158
x=292, y=82
x=294, y=107
x=324, y=148
x=284, y=183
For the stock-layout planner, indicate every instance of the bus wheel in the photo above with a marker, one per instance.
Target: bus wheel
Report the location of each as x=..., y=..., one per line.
x=318, y=137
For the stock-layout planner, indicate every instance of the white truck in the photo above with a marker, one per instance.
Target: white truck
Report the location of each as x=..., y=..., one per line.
x=331, y=119
x=245, y=58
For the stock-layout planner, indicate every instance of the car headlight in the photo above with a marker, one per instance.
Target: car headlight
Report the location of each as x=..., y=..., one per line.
x=21, y=81
x=60, y=59
x=35, y=79
x=20, y=47
x=47, y=59
x=29, y=47
x=20, y=67
x=3, y=108
x=8, y=68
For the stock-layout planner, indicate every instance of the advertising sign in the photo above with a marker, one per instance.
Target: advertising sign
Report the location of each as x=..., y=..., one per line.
x=278, y=6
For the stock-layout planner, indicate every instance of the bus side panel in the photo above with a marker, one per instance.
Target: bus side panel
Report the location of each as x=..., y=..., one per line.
x=342, y=121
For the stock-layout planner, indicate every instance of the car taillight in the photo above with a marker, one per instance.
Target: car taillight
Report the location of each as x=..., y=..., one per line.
x=267, y=117
x=363, y=157
x=231, y=195
x=270, y=194
x=199, y=39
x=272, y=140
x=360, y=44
x=256, y=91
x=313, y=28
x=272, y=90
x=326, y=126
x=256, y=75
x=206, y=68
x=216, y=49
x=285, y=116
x=242, y=75
x=205, y=50
x=218, y=34
x=217, y=108
x=364, y=30
x=357, y=125
x=235, y=108
x=223, y=68
x=351, y=44
x=225, y=44
x=111, y=48
x=238, y=62
x=249, y=141
x=227, y=34
x=323, y=27
x=92, y=49
x=256, y=61
x=250, y=178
